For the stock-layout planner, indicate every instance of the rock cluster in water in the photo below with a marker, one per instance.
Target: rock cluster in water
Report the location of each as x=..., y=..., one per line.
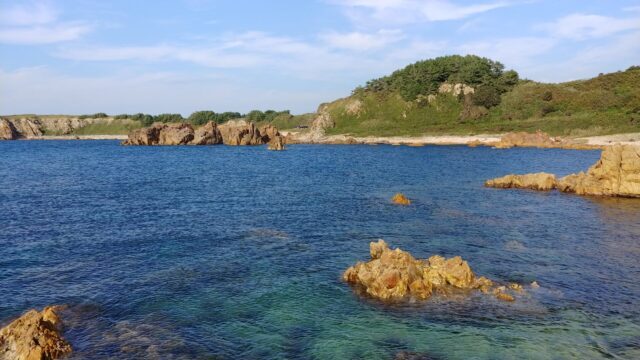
x=617, y=173
x=393, y=275
x=400, y=199
x=233, y=133
x=34, y=336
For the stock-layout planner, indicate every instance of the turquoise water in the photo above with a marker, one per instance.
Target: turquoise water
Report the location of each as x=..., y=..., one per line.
x=237, y=252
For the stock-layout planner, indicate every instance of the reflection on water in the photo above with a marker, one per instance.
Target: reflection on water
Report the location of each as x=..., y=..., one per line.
x=225, y=252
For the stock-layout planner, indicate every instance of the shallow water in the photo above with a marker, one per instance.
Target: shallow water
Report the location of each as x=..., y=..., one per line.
x=237, y=252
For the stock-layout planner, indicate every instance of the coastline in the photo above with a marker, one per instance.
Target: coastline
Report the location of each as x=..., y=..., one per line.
x=475, y=140
x=76, y=137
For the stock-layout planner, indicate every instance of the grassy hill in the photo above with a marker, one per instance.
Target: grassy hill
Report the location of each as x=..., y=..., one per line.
x=408, y=102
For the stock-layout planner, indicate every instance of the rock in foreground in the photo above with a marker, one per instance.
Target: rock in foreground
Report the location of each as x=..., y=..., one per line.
x=538, y=181
x=34, y=336
x=393, y=275
x=617, y=173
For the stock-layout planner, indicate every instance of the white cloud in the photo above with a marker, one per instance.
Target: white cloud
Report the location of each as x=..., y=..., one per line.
x=37, y=23
x=517, y=53
x=585, y=26
x=32, y=14
x=361, y=41
x=411, y=11
x=43, y=34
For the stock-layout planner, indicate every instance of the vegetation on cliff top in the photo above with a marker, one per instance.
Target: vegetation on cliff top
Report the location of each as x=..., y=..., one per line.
x=408, y=102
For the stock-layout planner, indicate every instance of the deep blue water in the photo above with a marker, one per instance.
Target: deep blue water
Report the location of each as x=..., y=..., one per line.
x=237, y=252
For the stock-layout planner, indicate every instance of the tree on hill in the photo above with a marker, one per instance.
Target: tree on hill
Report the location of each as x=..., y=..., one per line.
x=425, y=77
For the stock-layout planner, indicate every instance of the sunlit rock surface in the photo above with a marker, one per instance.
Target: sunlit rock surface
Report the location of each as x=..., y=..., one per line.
x=393, y=275
x=34, y=336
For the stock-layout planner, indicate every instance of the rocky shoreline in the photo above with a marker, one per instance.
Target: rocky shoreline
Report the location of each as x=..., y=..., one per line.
x=617, y=173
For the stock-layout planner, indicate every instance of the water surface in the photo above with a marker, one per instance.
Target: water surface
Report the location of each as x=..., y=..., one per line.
x=237, y=252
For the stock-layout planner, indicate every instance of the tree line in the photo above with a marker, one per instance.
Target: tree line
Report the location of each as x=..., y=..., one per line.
x=196, y=118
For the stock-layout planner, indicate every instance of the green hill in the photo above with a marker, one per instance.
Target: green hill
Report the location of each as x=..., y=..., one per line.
x=488, y=99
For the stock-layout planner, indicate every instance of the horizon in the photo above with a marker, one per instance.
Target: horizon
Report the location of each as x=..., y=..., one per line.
x=83, y=57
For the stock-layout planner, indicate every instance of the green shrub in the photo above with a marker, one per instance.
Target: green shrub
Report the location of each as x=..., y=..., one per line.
x=487, y=96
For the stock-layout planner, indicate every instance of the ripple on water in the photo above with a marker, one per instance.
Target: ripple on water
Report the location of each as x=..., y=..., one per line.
x=231, y=252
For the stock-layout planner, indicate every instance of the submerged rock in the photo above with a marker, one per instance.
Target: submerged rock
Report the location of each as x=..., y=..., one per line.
x=617, y=173
x=34, y=336
x=400, y=199
x=393, y=275
x=276, y=143
x=538, y=181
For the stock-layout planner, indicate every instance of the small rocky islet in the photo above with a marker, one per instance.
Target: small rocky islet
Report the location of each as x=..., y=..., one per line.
x=395, y=275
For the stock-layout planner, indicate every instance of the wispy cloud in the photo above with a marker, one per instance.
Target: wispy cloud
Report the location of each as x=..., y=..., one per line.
x=586, y=26
x=411, y=11
x=37, y=23
x=359, y=41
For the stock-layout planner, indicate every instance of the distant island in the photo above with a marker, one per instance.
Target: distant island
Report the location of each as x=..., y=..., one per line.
x=453, y=95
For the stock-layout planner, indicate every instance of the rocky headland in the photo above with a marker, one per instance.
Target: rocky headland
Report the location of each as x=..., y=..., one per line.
x=40, y=127
x=395, y=275
x=234, y=133
x=36, y=335
x=617, y=173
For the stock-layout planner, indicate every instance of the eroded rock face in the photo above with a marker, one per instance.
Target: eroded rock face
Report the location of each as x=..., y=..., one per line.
x=34, y=336
x=393, y=275
x=240, y=132
x=268, y=132
x=276, y=143
x=617, y=173
x=207, y=134
x=175, y=134
x=538, y=181
x=7, y=131
x=28, y=127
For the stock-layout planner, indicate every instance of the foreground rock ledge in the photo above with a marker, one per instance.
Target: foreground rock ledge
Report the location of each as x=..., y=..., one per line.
x=617, y=173
x=34, y=336
x=393, y=275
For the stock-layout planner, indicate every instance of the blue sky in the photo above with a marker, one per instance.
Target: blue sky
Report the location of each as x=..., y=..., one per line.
x=125, y=56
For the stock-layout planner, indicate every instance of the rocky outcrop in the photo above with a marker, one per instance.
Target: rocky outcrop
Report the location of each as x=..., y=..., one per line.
x=268, y=132
x=7, y=130
x=276, y=143
x=207, y=134
x=34, y=336
x=539, y=181
x=617, y=173
x=237, y=132
x=524, y=139
x=240, y=132
x=28, y=127
x=400, y=199
x=455, y=89
x=539, y=139
x=393, y=275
